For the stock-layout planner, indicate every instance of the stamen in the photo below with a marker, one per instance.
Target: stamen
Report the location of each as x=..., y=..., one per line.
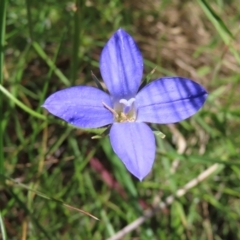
x=110, y=109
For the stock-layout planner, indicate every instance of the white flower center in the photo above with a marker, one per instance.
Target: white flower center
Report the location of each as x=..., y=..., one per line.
x=125, y=110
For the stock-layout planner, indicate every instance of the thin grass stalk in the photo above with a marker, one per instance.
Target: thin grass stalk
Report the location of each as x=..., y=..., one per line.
x=2, y=228
x=3, y=4
x=77, y=32
x=29, y=18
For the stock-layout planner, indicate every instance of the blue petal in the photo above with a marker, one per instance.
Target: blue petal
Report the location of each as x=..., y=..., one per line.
x=134, y=143
x=121, y=65
x=81, y=106
x=169, y=100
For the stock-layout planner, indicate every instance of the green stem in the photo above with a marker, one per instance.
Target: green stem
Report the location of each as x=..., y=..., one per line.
x=78, y=17
x=3, y=4
x=20, y=104
x=29, y=17
x=50, y=63
x=3, y=232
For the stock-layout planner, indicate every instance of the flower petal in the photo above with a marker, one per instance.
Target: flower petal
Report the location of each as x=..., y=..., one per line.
x=169, y=100
x=81, y=106
x=134, y=143
x=121, y=65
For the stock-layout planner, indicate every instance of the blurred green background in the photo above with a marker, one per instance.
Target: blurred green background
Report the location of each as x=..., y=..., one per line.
x=49, y=45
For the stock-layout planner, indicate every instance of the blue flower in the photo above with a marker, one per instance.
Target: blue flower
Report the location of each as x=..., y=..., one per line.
x=128, y=110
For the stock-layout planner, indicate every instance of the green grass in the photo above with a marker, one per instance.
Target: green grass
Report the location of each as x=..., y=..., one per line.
x=47, y=165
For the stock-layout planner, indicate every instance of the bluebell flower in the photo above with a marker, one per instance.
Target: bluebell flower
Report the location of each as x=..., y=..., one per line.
x=128, y=109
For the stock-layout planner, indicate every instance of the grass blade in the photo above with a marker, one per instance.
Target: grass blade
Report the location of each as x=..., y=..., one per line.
x=3, y=232
x=20, y=104
x=50, y=63
x=216, y=20
x=3, y=5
